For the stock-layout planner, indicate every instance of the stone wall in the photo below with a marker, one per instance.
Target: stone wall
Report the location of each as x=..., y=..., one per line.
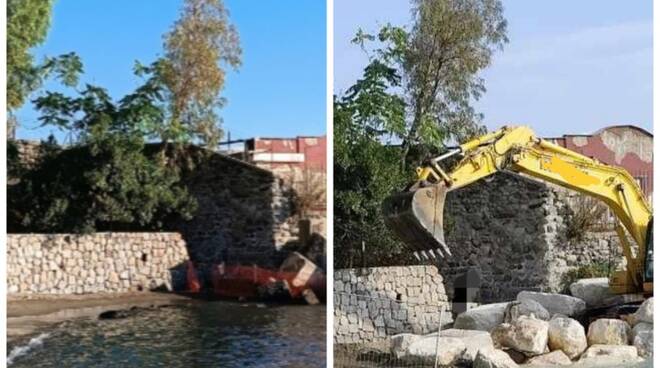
x=245, y=214
x=512, y=231
x=28, y=151
x=372, y=303
x=95, y=263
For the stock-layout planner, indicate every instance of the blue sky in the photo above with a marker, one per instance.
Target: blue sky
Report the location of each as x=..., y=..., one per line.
x=570, y=66
x=279, y=91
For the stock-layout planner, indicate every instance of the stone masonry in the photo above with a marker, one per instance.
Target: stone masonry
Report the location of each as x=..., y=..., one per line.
x=95, y=263
x=372, y=303
x=512, y=231
x=244, y=216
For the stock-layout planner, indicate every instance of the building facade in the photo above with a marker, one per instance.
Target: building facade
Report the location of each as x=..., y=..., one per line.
x=626, y=146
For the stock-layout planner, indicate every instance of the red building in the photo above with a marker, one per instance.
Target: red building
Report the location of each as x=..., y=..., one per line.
x=280, y=154
x=626, y=146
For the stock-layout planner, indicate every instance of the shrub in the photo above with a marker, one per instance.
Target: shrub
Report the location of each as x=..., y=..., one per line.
x=586, y=214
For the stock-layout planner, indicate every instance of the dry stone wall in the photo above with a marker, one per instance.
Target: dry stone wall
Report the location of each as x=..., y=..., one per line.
x=373, y=303
x=245, y=214
x=512, y=231
x=94, y=263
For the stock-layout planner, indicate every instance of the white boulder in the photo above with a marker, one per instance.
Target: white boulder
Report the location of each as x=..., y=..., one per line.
x=608, y=331
x=594, y=291
x=483, y=318
x=474, y=340
x=453, y=346
x=493, y=358
x=555, y=303
x=610, y=353
x=527, y=307
x=567, y=335
x=527, y=335
x=556, y=357
x=643, y=339
x=400, y=343
x=644, y=313
x=450, y=350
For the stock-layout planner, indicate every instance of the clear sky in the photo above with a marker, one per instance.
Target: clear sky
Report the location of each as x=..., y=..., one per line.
x=279, y=91
x=570, y=66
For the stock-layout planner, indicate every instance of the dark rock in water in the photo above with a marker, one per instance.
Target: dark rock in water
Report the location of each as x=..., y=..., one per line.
x=276, y=290
x=114, y=314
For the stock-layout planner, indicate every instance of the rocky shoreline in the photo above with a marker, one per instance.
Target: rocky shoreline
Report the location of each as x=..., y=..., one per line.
x=536, y=329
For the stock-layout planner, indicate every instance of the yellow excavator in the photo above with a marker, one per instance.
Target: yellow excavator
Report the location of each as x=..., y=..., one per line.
x=416, y=215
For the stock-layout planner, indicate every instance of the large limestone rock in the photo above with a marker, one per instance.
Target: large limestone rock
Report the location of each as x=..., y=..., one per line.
x=474, y=340
x=555, y=303
x=400, y=343
x=644, y=313
x=553, y=358
x=594, y=291
x=527, y=307
x=483, y=318
x=493, y=358
x=450, y=351
x=567, y=335
x=643, y=339
x=527, y=335
x=410, y=346
x=607, y=331
x=610, y=353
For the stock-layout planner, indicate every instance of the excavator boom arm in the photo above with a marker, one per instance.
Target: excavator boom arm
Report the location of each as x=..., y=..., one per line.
x=518, y=150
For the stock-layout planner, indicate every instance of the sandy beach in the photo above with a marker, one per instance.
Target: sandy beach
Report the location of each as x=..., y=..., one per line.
x=25, y=315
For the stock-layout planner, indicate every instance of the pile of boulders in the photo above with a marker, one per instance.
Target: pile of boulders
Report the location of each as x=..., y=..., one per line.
x=537, y=329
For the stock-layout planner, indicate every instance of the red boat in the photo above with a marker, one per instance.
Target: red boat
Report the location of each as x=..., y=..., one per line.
x=296, y=275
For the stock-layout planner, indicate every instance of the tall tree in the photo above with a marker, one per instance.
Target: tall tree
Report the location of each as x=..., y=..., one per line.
x=27, y=25
x=201, y=44
x=415, y=96
x=438, y=61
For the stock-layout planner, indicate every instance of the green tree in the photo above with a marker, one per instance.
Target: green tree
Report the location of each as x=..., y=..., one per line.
x=27, y=25
x=415, y=96
x=438, y=61
x=201, y=44
x=106, y=180
x=366, y=168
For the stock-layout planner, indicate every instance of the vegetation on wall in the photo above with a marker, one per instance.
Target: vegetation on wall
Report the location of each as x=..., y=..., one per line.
x=105, y=180
x=108, y=177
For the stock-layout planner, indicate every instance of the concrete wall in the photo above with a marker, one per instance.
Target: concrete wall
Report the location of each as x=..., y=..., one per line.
x=372, y=303
x=95, y=263
x=512, y=231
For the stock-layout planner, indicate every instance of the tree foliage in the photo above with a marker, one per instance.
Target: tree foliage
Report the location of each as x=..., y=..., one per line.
x=437, y=63
x=201, y=44
x=27, y=25
x=366, y=170
x=105, y=180
x=414, y=98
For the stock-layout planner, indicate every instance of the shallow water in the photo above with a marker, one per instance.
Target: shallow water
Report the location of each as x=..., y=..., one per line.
x=201, y=334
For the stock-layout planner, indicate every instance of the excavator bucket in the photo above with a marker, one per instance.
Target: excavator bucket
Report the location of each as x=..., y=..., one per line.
x=416, y=218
